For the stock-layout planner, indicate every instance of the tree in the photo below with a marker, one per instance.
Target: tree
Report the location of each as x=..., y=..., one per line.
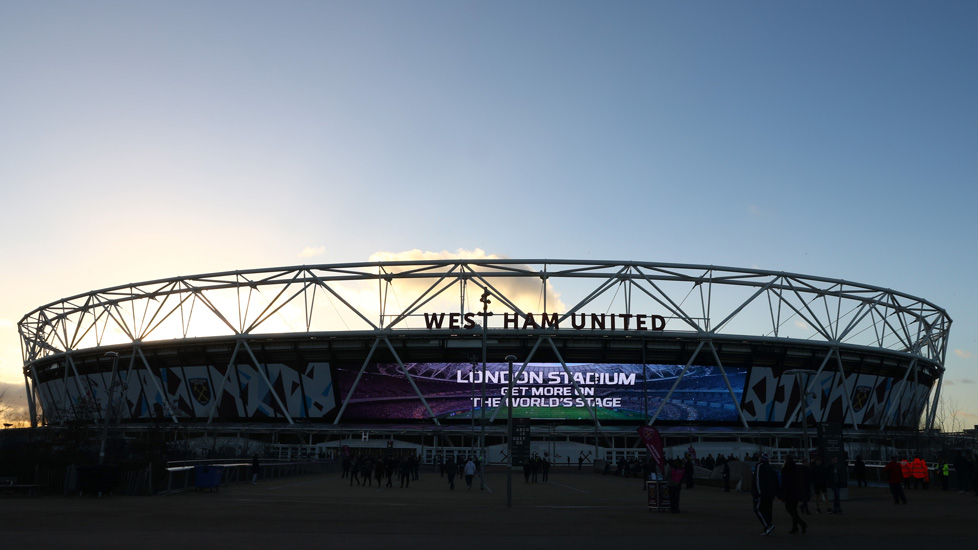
x=3, y=407
x=946, y=416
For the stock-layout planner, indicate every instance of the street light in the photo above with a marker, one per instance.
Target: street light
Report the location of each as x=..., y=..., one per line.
x=108, y=405
x=804, y=404
x=509, y=437
x=482, y=404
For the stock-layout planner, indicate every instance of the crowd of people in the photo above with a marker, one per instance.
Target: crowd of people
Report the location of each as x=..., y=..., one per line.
x=365, y=469
x=797, y=483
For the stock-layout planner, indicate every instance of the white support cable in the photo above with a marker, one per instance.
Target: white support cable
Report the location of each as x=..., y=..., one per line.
x=526, y=362
x=676, y=383
x=271, y=388
x=892, y=406
x=733, y=396
x=356, y=381
x=845, y=386
x=167, y=407
x=577, y=389
x=227, y=374
x=411, y=381
x=808, y=387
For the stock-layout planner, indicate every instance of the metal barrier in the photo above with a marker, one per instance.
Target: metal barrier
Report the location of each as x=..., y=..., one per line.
x=181, y=475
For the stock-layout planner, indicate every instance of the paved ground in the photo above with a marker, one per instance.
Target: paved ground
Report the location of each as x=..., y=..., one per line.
x=575, y=510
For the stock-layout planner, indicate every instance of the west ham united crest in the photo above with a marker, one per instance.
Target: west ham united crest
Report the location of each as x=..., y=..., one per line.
x=200, y=388
x=860, y=398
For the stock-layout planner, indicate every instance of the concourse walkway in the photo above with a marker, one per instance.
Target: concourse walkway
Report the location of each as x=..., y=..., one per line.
x=576, y=509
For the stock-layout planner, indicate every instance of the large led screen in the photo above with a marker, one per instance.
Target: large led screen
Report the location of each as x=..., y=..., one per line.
x=551, y=391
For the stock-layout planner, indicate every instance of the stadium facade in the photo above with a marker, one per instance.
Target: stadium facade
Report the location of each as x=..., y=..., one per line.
x=599, y=345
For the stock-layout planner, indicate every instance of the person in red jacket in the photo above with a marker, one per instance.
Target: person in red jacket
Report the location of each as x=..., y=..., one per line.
x=894, y=476
x=918, y=468
x=905, y=471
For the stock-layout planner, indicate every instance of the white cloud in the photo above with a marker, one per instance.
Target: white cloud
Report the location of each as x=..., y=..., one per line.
x=967, y=381
x=6, y=323
x=416, y=254
x=963, y=354
x=310, y=251
x=802, y=325
x=524, y=292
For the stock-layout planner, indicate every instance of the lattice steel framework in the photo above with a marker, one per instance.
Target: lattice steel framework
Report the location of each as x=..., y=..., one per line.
x=706, y=304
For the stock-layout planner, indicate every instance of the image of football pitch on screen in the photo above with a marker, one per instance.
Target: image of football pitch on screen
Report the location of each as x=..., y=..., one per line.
x=459, y=391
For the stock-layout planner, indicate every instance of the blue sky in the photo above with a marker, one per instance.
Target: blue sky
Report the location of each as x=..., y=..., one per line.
x=152, y=139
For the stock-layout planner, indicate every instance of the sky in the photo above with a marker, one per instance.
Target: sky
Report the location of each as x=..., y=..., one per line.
x=152, y=139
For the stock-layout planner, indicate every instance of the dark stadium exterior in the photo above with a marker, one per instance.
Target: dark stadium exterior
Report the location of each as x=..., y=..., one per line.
x=613, y=345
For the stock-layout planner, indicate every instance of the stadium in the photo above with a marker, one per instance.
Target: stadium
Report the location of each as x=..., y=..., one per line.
x=414, y=353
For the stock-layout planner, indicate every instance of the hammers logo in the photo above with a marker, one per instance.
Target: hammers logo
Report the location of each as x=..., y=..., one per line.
x=200, y=388
x=860, y=398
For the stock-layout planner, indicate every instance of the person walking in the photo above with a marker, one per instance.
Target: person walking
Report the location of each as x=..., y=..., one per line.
x=405, y=470
x=379, y=471
x=961, y=468
x=907, y=472
x=390, y=466
x=255, y=469
x=726, y=477
x=819, y=484
x=918, y=469
x=764, y=488
x=806, y=487
x=469, y=472
x=894, y=476
x=688, y=471
x=450, y=470
x=835, y=475
x=859, y=469
x=943, y=473
x=674, y=481
x=792, y=490
x=355, y=471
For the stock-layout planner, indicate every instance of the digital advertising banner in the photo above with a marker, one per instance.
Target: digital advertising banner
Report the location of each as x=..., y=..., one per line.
x=545, y=391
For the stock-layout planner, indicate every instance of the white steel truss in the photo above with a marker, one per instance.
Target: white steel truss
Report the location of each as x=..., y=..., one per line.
x=380, y=299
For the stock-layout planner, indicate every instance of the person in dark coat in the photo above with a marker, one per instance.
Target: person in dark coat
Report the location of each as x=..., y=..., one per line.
x=819, y=483
x=835, y=474
x=726, y=476
x=859, y=469
x=688, y=471
x=450, y=470
x=806, y=486
x=674, y=483
x=764, y=488
x=792, y=490
x=255, y=469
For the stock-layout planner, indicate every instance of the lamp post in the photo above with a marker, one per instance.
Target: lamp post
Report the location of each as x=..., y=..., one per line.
x=482, y=404
x=108, y=405
x=804, y=404
x=509, y=429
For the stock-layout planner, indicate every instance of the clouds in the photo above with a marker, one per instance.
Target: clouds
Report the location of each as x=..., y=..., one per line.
x=416, y=254
x=312, y=252
x=526, y=293
x=963, y=354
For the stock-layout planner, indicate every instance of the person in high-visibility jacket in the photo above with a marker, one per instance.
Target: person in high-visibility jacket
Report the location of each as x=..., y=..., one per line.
x=944, y=473
x=905, y=470
x=918, y=468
